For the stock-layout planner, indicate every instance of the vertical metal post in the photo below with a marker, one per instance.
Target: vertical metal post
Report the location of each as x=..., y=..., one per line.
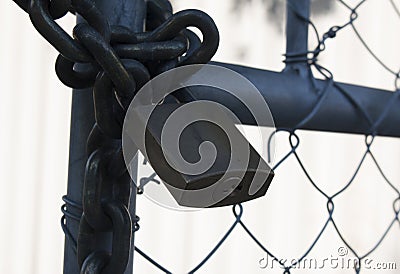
x=131, y=14
x=82, y=120
x=297, y=33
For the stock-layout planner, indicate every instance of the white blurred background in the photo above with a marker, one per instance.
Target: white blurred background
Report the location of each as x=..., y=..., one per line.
x=34, y=137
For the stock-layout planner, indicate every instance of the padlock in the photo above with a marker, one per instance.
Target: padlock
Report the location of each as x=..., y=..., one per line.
x=236, y=175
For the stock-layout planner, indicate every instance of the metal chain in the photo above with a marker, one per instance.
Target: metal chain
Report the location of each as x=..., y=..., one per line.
x=115, y=63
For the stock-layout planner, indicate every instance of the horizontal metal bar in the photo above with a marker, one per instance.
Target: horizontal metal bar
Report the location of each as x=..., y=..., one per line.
x=291, y=97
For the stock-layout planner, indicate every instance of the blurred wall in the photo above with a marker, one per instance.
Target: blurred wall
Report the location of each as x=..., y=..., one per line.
x=35, y=115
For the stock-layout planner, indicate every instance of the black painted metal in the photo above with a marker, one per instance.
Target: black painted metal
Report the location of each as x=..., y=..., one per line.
x=293, y=93
x=297, y=35
x=291, y=97
x=131, y=14
x=82, y=120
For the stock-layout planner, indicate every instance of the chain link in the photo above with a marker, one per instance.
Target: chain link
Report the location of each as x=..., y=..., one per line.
x=115, y=62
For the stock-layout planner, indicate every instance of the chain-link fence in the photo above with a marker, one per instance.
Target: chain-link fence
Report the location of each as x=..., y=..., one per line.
x=294, y=140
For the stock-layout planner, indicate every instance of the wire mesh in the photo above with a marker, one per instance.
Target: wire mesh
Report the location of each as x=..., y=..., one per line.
x=311, y=57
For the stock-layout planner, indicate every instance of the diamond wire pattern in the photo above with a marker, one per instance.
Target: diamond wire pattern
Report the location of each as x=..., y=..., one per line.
x=294, y=142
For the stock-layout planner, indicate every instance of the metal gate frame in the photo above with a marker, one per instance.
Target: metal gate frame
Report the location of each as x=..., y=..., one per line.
x=291, y=94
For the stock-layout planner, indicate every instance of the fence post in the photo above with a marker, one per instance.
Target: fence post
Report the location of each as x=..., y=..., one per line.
x=297, y=33
x=131, y=14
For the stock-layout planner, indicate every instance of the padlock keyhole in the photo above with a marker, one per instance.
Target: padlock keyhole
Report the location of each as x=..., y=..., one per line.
x=236, y=190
